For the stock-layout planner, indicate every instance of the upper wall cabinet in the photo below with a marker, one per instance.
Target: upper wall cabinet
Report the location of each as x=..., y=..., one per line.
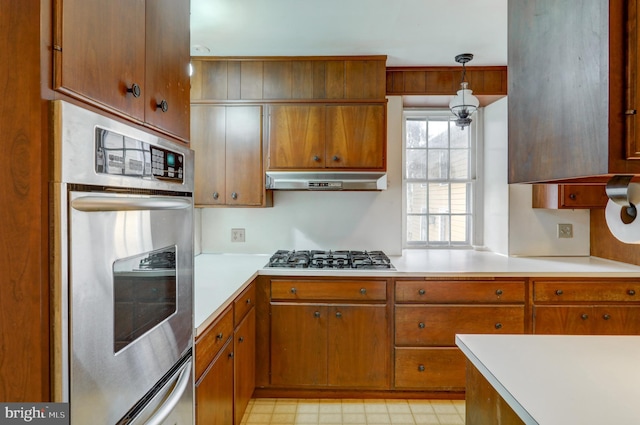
x=572, y=90
x=129, y=57
x=289, y=79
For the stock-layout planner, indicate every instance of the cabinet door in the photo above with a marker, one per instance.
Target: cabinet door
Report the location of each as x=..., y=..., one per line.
x=557, y=320
x=214, y=391
x=167, y=66
x=356, y=136
x=244, y=176
x=244, y=364
x=99, y=52
x=358, y=346
x=615, y=320
x=298, y=344
x=296, y=136
x=208, y=126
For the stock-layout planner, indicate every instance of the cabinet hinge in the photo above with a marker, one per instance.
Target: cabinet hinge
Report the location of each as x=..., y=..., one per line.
x=630, y=112
x=57, y=47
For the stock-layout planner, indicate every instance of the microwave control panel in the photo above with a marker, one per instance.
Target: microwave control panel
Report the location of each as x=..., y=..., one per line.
x=117, y=154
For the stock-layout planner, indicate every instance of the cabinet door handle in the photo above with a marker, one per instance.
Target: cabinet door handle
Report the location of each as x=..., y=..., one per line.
x=134, y=90
x=584, y=316
x=316, y=314
x=421, y=368
x=241, y=339
x=363, y=291
x=336, y=158
x=220, y=335
x=606, y=316
x=216, y=195
x=559, y=292
x=248, y=300
x=421, y=325
x=316, y=158
x=234, y=195
x=163, y=105
x=338, y=314
x=498, y=325
x=498, y=292
x=231, y=355
x=631, y=292
x=422, y=292
x=293, y=290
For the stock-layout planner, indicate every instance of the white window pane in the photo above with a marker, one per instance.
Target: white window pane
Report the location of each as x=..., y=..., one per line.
x=438, y=198
x=416, y=228
x=459, y=136
x=438, y=228
x=416, y=133
x=416, y=163
x=438, y=167
x=459, y=227
x=460, y=198
x=459, y=164
x=439, y=133
x=416, y=198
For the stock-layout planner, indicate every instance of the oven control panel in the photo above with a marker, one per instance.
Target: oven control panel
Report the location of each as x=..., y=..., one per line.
x=117, y=154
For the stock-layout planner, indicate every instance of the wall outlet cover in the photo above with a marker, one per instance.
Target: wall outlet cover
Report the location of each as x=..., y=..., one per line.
x=237, y=235
x=565, y=230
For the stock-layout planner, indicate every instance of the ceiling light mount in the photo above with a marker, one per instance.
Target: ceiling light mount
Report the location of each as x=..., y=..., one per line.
x=464, y=103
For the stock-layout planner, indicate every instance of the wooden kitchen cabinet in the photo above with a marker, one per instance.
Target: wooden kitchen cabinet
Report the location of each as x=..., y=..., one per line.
x=569, y=196
x=244, y=367
x=586, y=307
x=117, y=56
x=330, y=334
x=327, y=137
x=572, y=90
x=428, y=315
x=228, y=145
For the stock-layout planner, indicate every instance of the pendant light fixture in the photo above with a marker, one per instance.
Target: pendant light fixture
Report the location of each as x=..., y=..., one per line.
x=464, y=104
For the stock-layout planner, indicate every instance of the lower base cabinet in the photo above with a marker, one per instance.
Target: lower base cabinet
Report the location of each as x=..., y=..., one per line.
x=214, y=390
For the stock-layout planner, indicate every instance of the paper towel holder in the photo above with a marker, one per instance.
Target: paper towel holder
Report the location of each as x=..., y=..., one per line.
x=618, y=191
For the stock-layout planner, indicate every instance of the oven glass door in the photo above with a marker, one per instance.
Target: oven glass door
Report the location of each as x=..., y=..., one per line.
x=131, y=308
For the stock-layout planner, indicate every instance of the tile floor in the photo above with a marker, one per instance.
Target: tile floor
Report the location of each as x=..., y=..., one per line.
x=272, y=411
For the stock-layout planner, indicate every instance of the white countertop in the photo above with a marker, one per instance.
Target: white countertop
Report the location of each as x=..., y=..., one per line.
x=221, y=277
x=559, y=379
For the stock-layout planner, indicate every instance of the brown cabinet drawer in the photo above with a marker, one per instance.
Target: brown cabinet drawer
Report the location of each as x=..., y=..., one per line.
x=568, y=196
x=437, y=325
x=212, y=340
x=459, y=291
x=243, y=303
x=330, y=290
x=598, y=291
x=430, y=368
x=587, y=320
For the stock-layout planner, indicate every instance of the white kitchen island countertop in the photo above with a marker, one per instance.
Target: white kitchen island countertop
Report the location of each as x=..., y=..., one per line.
x=221, y=277
x=560, y=379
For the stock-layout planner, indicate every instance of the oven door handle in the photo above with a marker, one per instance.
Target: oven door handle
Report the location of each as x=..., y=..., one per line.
x=172, y=400
x=106, y=203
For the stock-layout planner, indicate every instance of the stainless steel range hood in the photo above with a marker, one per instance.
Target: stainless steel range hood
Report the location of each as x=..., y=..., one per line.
x=326, y=180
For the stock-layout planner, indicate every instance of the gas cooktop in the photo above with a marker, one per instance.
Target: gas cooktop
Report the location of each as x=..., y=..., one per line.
x=371, y=260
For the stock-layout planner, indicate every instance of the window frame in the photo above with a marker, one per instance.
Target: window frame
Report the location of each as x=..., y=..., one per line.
x=475, y=230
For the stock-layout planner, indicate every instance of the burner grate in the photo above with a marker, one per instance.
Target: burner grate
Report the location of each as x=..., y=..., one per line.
x=341, y=259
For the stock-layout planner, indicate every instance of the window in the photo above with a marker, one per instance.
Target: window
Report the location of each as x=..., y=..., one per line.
x=439, y=179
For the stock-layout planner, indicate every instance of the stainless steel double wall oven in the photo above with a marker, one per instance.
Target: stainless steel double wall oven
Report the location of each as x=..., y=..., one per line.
x=123, y=271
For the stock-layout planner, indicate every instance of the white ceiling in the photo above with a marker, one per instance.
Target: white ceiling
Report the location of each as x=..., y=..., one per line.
x=409, y=32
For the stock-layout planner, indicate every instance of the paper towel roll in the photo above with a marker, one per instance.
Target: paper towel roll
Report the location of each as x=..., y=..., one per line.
x=621, y=225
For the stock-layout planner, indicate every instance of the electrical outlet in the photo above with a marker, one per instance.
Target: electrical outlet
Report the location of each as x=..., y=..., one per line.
x=237, y=235
x=565, y=230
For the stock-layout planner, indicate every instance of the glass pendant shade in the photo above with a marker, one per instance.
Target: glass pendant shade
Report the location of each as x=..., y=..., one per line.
x=463, y=105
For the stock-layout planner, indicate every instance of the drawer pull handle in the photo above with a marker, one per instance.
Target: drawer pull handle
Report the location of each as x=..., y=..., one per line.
x=498, y=325
x=559, y=292
x=231, y=355
x=220, y=335
x=363, y=291
x=572, y=196
x=338, y=315
x=241, y=339
x=498, y=292
x=606, y=316
x=421, y=368
x=421, y=325
x=293, y=290
x=631, y=292
x=248, y=300
x=422, y=292
x=584, y=316
x=316, y=314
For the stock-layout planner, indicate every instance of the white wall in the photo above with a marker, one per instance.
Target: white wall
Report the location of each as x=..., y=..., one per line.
x=512, y=226
x=319, y=220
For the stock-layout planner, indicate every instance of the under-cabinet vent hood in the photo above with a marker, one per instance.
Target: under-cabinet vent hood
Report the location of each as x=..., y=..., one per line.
x=326, y=180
